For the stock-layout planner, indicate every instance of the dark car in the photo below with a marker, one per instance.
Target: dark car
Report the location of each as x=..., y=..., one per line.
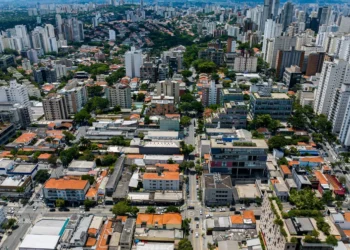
x=190, y=207
x=63, y=209
x=232, y=209
x=196, y=218
x=87, y=209
x=52, y=210
x=237, y=212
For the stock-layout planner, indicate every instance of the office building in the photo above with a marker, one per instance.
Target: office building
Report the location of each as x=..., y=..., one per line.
x=119, y=95
x=277, y=105
x=133, y=62
x=292, y=76
x=149, y=71
x=212, y=54
x=332, y=76
x=276, y=44
x=231, y=94
x=15, y=93
x=168, y=88
x=163, y=72
x=126, y=237
x=70, y=190
x=270, y=11
x=55, y=107
x=15, y=113
x=7, y=61
x=344, y=24
x=218, y=189
x=163, y=181
x=315, y=63
x=287, y=58
x=286, y=16
x=45, y=75
x=324, y=14
x=7, y=131
x=243, y=159
x=111, y=35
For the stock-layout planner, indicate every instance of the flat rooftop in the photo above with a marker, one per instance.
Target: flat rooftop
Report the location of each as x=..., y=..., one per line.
x=217, y=181
x=247, y=191
x=48, y=227
x=239, y=144
x=82, y=164
x=23, y=168
x=273, y=96
x=39, y=242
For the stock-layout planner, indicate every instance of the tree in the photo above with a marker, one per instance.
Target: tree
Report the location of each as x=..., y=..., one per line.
x=66, y=156
x=186, y=73
x=89, y=178
x=115, y=76
x=60, y=203
x=185, y=244
x=150, y=210
x=68, y=136
x=147, y=120
x=82, y=116
x=266, y=121
x=185, y=121
x=141, y=135
x=186, y=226
x=123, y=207
x=140, y=97
x=305, y=199
x=96, y=103
x=172, y=209
x=42, y=176
x=207, y=67
x=84, y=142
x=342, y=179
x=315, y=233
x=327, y=197
x=331, y=240
x=170, y=161
x=186, y=148
x=20, y=190
x=89, y=203
x=95, y=90
x=215, y=77
x=277, y=142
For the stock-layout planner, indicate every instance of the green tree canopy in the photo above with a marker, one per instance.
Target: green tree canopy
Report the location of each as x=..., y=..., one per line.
x=42, y=176
x=96, y=103
x=305, y=199
x=123, y=208
x=185, y=121
x=115, y=76
x=185, y=244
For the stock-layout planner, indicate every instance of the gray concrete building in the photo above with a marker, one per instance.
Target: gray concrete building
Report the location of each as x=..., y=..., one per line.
x=218, y=189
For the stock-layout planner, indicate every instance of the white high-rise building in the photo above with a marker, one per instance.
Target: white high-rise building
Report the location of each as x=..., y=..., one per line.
x=21, y=31
x=343, y=48
x=272, y=29
x=338, y=106
x=275, y=44
x=111, y=35
x=333, y=75
x=15, y=92
x=133, y=62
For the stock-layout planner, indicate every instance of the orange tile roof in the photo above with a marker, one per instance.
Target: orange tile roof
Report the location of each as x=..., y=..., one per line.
x=285, y=169
x=104, y=236
x=135, y=116
x=291, y=92
x=236, y=219
x=44, y=156
x=65, y=184
x=25, y=138
x=206, y=156
x=51, y=125
x=66, y=124
x=291, y=163
x=122, y=218
x=54, y=132
x=320, y=177
x=326, y=168
x=312, y=159
x=172, y=115
x=90, y=242
x=347, y=232
x=91, y=193
x=165, y=176
x=92, y=231
x=161, y=219
x=6, y=154
x=274, y=181
x=169, y=167
x=134, y=156
x=48, y=87
x=347, y=216
x=249, y=214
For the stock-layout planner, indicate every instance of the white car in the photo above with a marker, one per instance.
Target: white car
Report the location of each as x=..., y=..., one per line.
x=197, y=235
x=34, y=208
x=208, y=216
x=242, y=208
x=200, y=212
x=222, y=209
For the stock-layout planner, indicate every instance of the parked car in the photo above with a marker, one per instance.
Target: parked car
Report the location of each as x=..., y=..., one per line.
x=222, y=209
x=190, y=207
x=52, y=210
x=242, y=208
x=232, y=209
x=197, y=235
x=197, y=224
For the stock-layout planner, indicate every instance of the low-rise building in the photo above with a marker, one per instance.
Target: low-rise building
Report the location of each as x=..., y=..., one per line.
x=161, y=105
x=80, y=167
x=218, y=189
x=127, y=234
x=161, y=181
x=159, y=221
x=231, y=94
x=70, y=190
x=80, y=234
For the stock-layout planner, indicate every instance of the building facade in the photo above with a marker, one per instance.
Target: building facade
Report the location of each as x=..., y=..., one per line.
x=55, y=107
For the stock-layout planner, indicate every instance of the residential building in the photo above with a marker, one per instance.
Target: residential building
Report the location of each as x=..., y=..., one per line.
x=333, y=75
x=233, y=114
x=211, y=93
x=76, y=97
x=163, y=181
x=273, y=45
x=55, y=107
x=161, y=105
x=171, y=122
x=15, y=93
x=218, y=189
x=166, y=221
x=287, y=58
x=115, y=176
x=7, y=61
x=270, y=10
x=168, y=88
x=80, y=235
x=149, y=71
x=338, y=107
x=292, y=76
x=245, y=63
x=163, y=72
x=133, y=62
x=79, y=168
x=2, y=215
x=286, y=16
x=70, y=190
x=15, y=113
x=111, y=35
x=315, y=63
x=277, y=105
x=119, y=95
x=243, y=159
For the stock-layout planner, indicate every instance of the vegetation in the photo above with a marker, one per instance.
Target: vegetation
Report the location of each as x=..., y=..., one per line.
x=332, y=240
x=151, y=210
x=11, y=223
x=89, y=203
x=265, y=121
x=115, y=76
x=305, y=199
x=186, y=149
x=89, y=178
x=42, y=176
x=185, y=121
x=185, y=244
x=172, y=209
x=106, y=161
x=60, y=203
x=96, y=104
x=66, y=156
x=186, y=226
x=124, y=208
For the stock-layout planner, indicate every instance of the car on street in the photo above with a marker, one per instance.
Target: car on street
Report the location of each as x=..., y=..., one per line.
x=200, y=212
x=196, y=218
x=190, y=207
x=212, y=209
x=242, y=208
x=63, y=209
x=197, y=224
x=208, y=216
x=34, y=208
x=232, y=209
x=222, y=209
x=52, y=210
x=197, y=234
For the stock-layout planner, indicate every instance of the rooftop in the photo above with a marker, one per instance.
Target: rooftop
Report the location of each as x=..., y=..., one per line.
x=25, y=138
x=23, y=168
x=82, y=164
x=38, y=242
x=65, y=184
x=251, y=144
x=217, y=180
x=175, y=176
x=273, y=96
x=160, y=219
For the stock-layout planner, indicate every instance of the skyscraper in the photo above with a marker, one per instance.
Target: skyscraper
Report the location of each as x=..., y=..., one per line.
x=17, y=93
x=270, y=11
x=55, y=107
x=133, y=62
x=286, y=16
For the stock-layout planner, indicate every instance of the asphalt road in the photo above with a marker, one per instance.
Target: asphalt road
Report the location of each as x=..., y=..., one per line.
x=190, y=139
x=15, y=238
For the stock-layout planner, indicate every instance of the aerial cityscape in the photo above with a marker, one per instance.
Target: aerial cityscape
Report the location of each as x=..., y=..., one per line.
x=163, y=125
